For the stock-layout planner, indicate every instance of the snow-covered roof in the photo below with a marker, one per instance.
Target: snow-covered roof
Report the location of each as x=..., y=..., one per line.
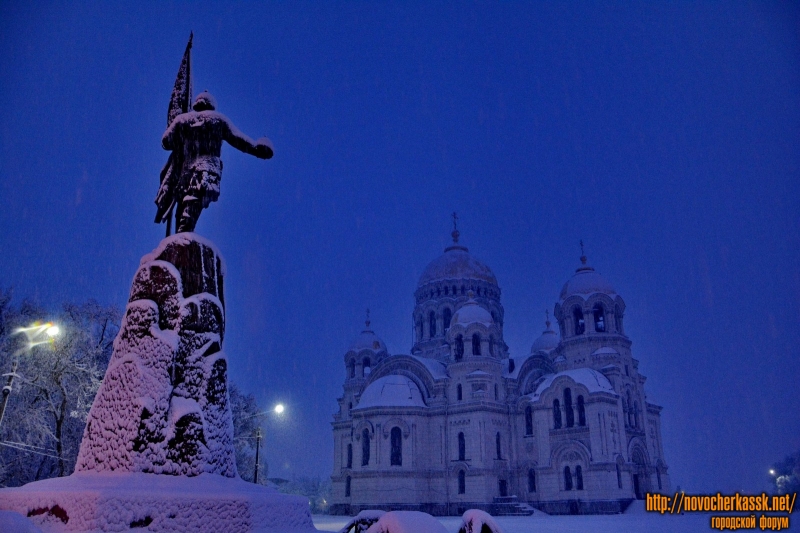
x=546, y=342
x=604, y=351
x=471, y=313
x=585, y=282
x=591, y=379
x=391, y=391
x=456, y=264
x=367, y=340
x=437, y=369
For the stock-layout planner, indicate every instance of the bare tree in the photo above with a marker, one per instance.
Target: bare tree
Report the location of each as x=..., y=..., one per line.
x=54, y=386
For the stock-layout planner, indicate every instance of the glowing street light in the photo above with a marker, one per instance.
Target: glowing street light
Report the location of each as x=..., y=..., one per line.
x=278, y=410
x=36, y=334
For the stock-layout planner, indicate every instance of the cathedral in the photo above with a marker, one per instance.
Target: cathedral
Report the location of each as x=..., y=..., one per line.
x=459, y=424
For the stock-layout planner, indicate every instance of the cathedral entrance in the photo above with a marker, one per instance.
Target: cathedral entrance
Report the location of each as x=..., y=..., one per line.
x=503, y=488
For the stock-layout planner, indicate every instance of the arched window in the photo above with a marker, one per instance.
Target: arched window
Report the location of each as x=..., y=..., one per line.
x=580, y=324
x=556, y=414
x=349, y=456
x=567, y=479
x=347, y=487
x=462, y=447
x=629, y=414
x=528, y=420
x=568, y=408
x=462, y=482
x=581, y=412
x=447, y=316
x=636, y=414
x=619, y=477
x=397, y=447
x=531, y=480
x=599, y=318
x=432, y=323
x=476, y=344
x=365, y=447
x=365, y=364
x=351, y=368
x=459, y=392
x=496, y=393
x=578, y=478
x=459, y=348
x=497, y=445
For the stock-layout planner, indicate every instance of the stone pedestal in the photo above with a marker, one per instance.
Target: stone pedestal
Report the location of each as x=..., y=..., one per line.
x=159, y=437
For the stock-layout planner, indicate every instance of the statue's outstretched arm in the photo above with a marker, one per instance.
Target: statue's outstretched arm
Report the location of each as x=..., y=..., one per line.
x=261, y=148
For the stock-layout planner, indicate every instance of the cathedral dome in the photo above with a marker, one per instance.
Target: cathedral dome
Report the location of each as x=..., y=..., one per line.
x=585, y=282
x=391, y=391
x=456, y=264
x=547, y=341
x=472, y=313
x=367, y=340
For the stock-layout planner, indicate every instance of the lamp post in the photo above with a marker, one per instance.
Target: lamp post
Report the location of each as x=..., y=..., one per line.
x=278, y=410
x=36, y=334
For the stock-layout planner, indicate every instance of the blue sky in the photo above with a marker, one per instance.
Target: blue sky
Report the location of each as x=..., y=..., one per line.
x=665, y=135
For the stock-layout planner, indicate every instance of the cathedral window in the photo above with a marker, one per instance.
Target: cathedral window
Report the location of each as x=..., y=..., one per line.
x=351, y=368
x=599, y=318
x=476, y=344
x=459, y=348
x=365, y=367
x=619, y=477
x=462, y=447
x=432, y=324
x=496, y=392
x=350, y=456
x=447, y=316
x=365, y=447
x=462, y=482
x=556, y=414
x=497, y=445
x=567, y=478
x=459, y=392
x=581, y=412
x=568, y=408
x=580, y=324
x=578, y=478
x=629, y=414
x=531, y=480
x=347, y=487
x=397, y=447
x=447, y=291
x=491, y=345
x=636, y=414
x=529, y=420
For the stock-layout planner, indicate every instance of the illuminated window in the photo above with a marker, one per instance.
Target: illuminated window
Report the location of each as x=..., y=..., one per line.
x=599, y=318
x=580, y=324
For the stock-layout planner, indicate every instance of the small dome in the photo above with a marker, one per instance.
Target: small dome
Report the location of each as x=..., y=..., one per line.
x=391, y=391
x=547, y=341
x=367, y=340
x=456, y=264
x=472, y=313
x=586, y=282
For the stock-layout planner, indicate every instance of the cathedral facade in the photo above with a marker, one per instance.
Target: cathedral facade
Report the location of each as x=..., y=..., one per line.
x=458, y=424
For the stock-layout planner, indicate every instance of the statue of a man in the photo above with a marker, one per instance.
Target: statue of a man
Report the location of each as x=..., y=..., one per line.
x=197, y=138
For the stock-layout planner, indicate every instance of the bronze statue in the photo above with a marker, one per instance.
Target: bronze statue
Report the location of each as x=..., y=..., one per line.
x=190, y=180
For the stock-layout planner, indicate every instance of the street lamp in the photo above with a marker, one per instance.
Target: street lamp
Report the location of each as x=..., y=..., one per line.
x=278, y=410
x=36, y=334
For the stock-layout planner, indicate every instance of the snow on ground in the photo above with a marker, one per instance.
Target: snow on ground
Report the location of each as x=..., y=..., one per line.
x=541, y=523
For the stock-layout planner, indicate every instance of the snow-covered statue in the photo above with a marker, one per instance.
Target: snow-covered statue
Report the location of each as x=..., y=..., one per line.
x=196, y=139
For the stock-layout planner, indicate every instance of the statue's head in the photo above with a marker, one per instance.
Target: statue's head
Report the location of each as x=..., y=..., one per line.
x=204, y=102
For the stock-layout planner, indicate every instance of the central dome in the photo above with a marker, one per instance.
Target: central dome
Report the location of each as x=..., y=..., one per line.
x=456, y=264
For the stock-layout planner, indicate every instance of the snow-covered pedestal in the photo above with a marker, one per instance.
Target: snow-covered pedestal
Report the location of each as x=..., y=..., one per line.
x=157, y=451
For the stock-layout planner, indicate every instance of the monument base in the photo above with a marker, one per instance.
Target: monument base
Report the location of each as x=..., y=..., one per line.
x=92, y=502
